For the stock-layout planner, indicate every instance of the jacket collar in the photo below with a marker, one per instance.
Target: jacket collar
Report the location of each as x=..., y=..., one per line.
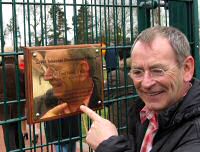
x=187, y=108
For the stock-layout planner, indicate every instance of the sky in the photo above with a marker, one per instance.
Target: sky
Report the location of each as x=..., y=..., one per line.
x=7, y=15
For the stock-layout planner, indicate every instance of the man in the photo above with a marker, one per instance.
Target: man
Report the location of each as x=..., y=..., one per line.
x=169, y=104
x=75, y=80
x=13, y=135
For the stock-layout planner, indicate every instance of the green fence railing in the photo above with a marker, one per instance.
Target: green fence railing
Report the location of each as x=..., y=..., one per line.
x=115, y=23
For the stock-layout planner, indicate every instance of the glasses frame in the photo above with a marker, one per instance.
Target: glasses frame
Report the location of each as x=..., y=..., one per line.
x=155, y=73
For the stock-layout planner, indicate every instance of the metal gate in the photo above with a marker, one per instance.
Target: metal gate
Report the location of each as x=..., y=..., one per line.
x=114, y=23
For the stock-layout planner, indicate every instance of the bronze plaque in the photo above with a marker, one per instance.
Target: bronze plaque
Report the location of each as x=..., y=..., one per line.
x=59, y=79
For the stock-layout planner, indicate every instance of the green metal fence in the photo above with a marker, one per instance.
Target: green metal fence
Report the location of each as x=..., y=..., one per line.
x=54, y=22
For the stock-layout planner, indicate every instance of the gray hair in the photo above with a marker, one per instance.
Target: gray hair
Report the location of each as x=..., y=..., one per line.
x=176, y=38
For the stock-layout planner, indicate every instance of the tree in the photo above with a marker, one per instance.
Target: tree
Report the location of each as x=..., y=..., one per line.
x=83, y=25
x=41, y=29
x=35, y=24
x=2, y=41
x=117, y=20
x=60, y=26
x=11, y=29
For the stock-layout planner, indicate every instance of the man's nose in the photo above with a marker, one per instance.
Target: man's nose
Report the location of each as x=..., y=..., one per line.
x=48, y=75
x=147, y=81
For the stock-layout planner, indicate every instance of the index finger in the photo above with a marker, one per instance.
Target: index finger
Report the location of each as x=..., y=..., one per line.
x=90, y=113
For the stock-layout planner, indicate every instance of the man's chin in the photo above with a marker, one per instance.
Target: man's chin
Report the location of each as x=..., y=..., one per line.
x=154, y=107
x=58, y=94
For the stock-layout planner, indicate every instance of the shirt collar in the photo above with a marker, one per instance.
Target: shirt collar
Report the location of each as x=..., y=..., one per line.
x=145, y=114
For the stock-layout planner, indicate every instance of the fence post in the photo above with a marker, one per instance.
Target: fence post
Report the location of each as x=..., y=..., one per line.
x=143, y=15
x=183, y=14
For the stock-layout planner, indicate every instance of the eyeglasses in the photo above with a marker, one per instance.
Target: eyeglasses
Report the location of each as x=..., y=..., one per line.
x=52, y=71
x=155, y=73
x=56, y=73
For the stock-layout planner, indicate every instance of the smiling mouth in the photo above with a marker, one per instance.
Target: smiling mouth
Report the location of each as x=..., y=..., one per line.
x=55, y=83
x=154, y=93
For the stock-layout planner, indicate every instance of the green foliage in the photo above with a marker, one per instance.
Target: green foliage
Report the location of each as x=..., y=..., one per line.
x=11, y=29
x=84, y=25
x=60, y=25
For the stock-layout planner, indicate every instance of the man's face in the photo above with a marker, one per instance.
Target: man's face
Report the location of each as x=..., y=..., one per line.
x=158, y=91
x=60, y=74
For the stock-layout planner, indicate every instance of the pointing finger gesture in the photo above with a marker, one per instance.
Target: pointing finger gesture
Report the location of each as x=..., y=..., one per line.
x=101, y=129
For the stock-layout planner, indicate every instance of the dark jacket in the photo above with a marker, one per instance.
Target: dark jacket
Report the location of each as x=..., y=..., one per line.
x=118, y=87
x=14, y=109
x=45, y=102
x=63, y=128
x=179, y=128
x=11, y=106
x=58, y=129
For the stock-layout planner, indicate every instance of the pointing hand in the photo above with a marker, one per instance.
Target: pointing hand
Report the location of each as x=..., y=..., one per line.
x=101, y=129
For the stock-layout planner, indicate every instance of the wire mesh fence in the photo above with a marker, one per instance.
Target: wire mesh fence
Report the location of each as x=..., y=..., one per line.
x=113, y=23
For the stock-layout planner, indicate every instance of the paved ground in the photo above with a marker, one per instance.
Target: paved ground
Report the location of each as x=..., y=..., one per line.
x=40, y=149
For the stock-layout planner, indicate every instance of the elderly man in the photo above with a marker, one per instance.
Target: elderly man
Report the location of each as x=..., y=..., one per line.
x=75, y=80
x=166, y=116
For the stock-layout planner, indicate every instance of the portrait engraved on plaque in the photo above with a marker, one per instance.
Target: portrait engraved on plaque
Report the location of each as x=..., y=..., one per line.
x=61, y=79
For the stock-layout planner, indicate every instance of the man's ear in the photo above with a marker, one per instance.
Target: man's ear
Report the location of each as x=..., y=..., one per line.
x=84, y=70
x=188, y=68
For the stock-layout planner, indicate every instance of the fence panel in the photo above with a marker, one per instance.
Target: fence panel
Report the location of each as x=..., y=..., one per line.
x=113, y=23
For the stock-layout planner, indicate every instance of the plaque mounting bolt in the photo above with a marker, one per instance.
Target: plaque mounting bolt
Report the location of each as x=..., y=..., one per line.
x=34, y=54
